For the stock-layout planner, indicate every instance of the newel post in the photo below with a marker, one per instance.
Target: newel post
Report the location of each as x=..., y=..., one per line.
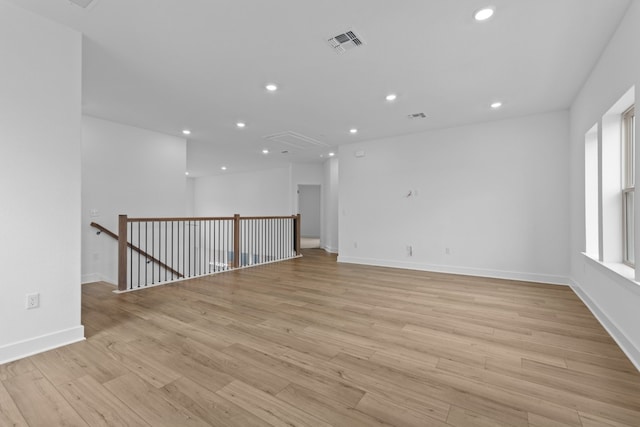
x=236, y=241
x=296, y=234
x=122, y=252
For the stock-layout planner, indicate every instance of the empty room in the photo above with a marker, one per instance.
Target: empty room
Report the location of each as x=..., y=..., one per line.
x=295, y=213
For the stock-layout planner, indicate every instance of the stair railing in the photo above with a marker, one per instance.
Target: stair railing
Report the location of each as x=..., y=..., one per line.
x=149, y=257
x=154, y=251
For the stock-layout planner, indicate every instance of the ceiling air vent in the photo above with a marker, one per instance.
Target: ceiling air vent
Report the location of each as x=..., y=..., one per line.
x=417, y=116
x=345, y=41
x=289, y=139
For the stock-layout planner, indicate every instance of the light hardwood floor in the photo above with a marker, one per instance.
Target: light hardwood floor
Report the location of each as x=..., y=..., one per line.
x=310, y=342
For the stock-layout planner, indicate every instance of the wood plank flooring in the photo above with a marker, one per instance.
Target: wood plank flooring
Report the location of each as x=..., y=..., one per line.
x=310, y=342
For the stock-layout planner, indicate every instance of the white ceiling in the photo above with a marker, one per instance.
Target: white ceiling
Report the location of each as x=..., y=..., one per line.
x=167, y=65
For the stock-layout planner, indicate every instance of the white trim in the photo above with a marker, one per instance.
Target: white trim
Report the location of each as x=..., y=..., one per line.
x=20, y=349
x=330, y=249
x=90, y=278
x=619, y=272
x=449, y=269
x=632, y=352
x=95, y=277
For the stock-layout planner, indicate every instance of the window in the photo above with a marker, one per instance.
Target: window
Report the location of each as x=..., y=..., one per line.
x=628, y=185
x=609, y=184
x=592, y=216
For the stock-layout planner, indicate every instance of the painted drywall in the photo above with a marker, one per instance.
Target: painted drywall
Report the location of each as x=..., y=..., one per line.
x=613, y=298
x=309, y=207
x=490, y=199
x=330, y=191
x=269, y=192
x=191, y=195
x=260, y=193
x=304, y=174
x=126, y=170
x=40, y=174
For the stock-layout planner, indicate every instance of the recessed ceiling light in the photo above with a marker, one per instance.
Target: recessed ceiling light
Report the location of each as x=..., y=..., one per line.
x=354, y=130
x=241, y=124
x=391, y=97
x=496, y=105
x=332, y=154
x=271, y=87
x=265, y=151
x=483, y=14
x=186, y=132
x=186, y=173
x=224, y=168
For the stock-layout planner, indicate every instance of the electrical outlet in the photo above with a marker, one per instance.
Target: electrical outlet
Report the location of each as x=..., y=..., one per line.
x=33, y=301
x=355, y=245
x=447, y=251
x=410, y=250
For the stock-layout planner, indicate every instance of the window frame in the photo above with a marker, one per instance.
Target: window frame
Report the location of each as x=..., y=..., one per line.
x=628, y=183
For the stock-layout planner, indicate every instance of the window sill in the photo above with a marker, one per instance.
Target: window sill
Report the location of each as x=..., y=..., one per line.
x=618, y=270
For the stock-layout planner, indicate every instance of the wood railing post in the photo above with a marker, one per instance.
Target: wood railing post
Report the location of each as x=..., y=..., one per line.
x=296, y=234
x=122, y=252
x=236, y=241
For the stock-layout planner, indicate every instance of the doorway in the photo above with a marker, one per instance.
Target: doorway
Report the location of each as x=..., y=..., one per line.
x=309, y=207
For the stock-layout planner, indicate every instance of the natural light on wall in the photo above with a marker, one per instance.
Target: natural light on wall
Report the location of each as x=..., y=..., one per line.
x=628, y=185
x=610, y=210
x=592, y=217
x=610, y=183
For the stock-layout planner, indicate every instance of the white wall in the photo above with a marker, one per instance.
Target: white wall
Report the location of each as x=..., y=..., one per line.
x=495, y=194
x=304, y=174
x=191, y=195
x=39, y=183
x=271, y=192
x=126, y=170
x=329, y=232
x=259, y=193
x=309, y=207
x=614, y=299
x=308, y=174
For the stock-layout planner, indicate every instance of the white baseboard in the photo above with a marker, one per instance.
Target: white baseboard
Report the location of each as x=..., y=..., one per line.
x=90, y=278
x=18, y=350
x=495, y=274
x=632, y=352
x=95, y=277
x=330, y=249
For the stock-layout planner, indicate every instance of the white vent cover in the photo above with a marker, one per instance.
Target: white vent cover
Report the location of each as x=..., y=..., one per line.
x=345, y=41
x=291, y=139
x=83, y=3
x=417, y=116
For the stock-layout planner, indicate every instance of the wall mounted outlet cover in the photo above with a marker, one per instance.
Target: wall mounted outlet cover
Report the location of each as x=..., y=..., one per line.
x=33, y=301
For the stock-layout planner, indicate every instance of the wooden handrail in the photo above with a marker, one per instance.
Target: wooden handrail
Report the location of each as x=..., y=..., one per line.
x=242, y=218
x=104, y=230
x=280, y=240
x=207, y=218
x=218, y=218
x=135, y=248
